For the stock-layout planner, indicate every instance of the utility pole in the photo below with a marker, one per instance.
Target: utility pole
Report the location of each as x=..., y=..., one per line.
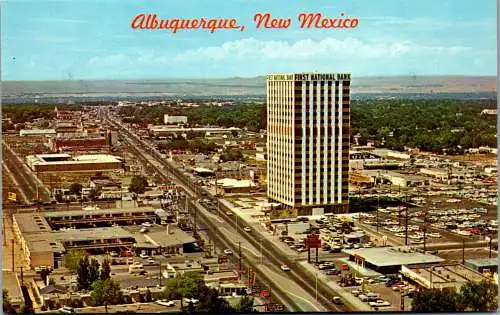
x=406, y=223
x=13, y=255
x=239, y=258
x=463, y=250
x=378, y=206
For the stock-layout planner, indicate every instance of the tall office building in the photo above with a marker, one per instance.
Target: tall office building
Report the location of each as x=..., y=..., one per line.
x=308, y=141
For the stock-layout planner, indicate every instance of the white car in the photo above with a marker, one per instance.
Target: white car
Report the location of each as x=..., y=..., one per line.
x=142, y=255
x=247, y=229
x=113, y=254
x=227, y=251
x=143, y=230
x=147, y=224
x=229, y=213
x=379, y=303
x=66, y=310
x=166, y=303
x=285, y=268
x=192, y=300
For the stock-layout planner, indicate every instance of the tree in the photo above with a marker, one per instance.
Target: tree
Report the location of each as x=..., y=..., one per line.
x=105, y=270
x=245, y=305
x=73, y=257
x=211, y=302
x=148, y=297
x=76, y=189
x=435, y=301
x=52, y=281
x=7, y=307
x=186, y=285
x=106, y=292
x=83, y=273
x=138, y=184
x=479, y=296
x=93, y=270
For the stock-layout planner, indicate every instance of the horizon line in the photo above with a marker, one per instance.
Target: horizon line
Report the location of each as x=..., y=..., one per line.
x=253, y=77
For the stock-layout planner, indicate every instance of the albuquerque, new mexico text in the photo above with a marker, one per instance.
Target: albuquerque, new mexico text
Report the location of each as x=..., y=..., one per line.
x=262, y=20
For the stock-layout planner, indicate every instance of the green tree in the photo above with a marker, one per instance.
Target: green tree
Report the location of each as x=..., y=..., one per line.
x=93, y=270
x=211, y=302
x=138, y=184
x=52, y=281
x=83, y=273
x=7, y=306
x=435, y=301
x=479, y=296
x=106, y=292
x=187, y=285
x=76, y=189
x=245, y=305
x=73, y=257
x=105, y=270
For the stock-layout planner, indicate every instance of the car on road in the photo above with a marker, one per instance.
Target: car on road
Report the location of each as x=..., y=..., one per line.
x=147, y=224
x=330, y=272
x=227, y=251
x=247, y=229
x=143, y=230
x=285, y=268
x=165, y=302
x=337, y=300
x=229, y=213
x=66, y=310
x=379, y=303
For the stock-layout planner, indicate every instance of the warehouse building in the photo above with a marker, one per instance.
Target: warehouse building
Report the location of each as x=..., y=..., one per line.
x=81, y=163
x=37, y=132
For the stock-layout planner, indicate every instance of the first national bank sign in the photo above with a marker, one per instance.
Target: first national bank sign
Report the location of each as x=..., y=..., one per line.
x=310, y=77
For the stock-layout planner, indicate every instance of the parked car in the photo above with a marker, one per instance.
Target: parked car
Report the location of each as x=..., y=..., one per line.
x=356, y=292
x=337, y=300
x=166, y=303
x=192, y=300
x=113, y=254
x=143, y=255
x=285, y=268
x=66, y=310
x=379, y=303
x=147, y=224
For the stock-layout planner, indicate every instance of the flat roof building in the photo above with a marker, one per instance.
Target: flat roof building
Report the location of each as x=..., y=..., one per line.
x=168, y=119
x=390, y=259
x=66, y=163
x=443, y=277
x=308, y=126
x=37, y=132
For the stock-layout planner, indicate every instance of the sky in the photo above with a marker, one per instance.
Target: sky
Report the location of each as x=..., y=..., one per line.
x=93, y=39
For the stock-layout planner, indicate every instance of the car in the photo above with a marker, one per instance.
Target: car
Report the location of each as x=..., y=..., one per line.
x=229, y=213
x=379, y=303
x=66, y=310
x=363, y=298
x=285, y=268
x=143, y=230
x=191, y=300
x=166, y=302
x=356, y=292
x=165, y=254
x=143, y=255
x=337, y=300
x=247, y=229
x=147, y=224
x=330, y=272
x=151, y=261
x=227, y=251
x=113, y=254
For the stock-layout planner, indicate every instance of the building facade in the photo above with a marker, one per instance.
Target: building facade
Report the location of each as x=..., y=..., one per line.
x=308, y=122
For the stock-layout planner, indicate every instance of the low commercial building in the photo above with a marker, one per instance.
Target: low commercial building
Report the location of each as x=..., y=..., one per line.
x=483, y=265
x=37, y=132
x=66, y=163
x=75, y=144
x=168, y=130
x=169, y=120
x=174, y=269
x=390, y=259
x=442, y=277
x=397, y=179
x=231, y=186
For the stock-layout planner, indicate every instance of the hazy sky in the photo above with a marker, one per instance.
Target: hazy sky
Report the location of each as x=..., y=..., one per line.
x=92, y=39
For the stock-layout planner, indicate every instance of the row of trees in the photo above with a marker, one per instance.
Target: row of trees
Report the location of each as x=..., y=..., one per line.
x=431, y=125
x=243, y=115
x=472, y=296
x=197, y=145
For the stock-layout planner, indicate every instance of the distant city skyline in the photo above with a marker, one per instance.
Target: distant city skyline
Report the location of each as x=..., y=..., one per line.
x=89, y=40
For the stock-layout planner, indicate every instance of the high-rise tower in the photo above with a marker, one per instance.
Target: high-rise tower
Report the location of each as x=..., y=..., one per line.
x=308, y=141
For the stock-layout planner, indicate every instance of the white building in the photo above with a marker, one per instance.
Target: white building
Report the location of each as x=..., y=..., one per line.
x=308, y=141
x=169, y=120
